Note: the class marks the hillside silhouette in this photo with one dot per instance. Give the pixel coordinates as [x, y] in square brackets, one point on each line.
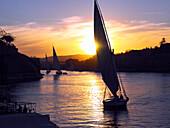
[62, 59]
[14, 66]
[146, 60]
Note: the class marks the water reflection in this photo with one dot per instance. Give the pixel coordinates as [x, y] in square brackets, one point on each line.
[75, 100]
[94, 93]
[95, 98]
[56, 77]
[115, 118]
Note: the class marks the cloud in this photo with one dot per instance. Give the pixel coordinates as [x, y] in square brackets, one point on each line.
[73, 19]
[35, 39]
[133, 34]
[30, 23]
[30, 37]
[133, 25]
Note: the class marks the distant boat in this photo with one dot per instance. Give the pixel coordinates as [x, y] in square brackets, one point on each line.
[47, 65]
[107, 64]
[56, 64]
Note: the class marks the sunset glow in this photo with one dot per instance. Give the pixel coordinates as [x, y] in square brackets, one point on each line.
[87, 44]
[71, 31]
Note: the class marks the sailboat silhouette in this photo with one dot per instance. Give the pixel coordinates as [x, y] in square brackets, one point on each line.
[107, 64]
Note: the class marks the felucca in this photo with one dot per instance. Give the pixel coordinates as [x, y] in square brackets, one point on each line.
[107, 64]
[47, 65]
[56, 64]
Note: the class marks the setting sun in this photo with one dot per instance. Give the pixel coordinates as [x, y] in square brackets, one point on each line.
[87, 44]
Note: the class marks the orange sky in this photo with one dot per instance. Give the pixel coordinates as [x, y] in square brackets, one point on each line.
[68, 25]
[74, 35]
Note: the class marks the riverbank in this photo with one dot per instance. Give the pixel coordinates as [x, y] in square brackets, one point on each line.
[146, 60]
[16, 67]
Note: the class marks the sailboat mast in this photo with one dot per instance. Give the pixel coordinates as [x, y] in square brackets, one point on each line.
[47, 65]
[104, 93]
[46, 58]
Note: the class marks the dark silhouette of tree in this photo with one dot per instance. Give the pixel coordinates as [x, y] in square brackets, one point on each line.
[71, 62]
[7, 37]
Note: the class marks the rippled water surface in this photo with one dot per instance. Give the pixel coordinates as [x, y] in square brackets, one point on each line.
[75, 100]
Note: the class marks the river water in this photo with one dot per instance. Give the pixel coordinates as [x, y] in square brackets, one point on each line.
[75, 100]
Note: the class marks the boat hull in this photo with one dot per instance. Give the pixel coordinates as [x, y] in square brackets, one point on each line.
[64, 73]
[58, 73]
[48, 71]
[115, 104]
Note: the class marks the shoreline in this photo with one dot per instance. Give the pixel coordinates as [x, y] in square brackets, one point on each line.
[134, 71]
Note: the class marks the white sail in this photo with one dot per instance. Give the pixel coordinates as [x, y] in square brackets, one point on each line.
[56, 64]
[104, 54]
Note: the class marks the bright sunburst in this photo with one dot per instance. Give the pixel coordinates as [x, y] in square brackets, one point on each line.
[87, 44]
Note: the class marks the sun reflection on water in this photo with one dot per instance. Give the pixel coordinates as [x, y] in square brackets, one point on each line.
[95, 98]
[94, 92]
[75, 100]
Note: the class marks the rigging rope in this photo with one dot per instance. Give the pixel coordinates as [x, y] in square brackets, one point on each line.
[121, 83]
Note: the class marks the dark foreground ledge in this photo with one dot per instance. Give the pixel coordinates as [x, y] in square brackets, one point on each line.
[26, 120]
